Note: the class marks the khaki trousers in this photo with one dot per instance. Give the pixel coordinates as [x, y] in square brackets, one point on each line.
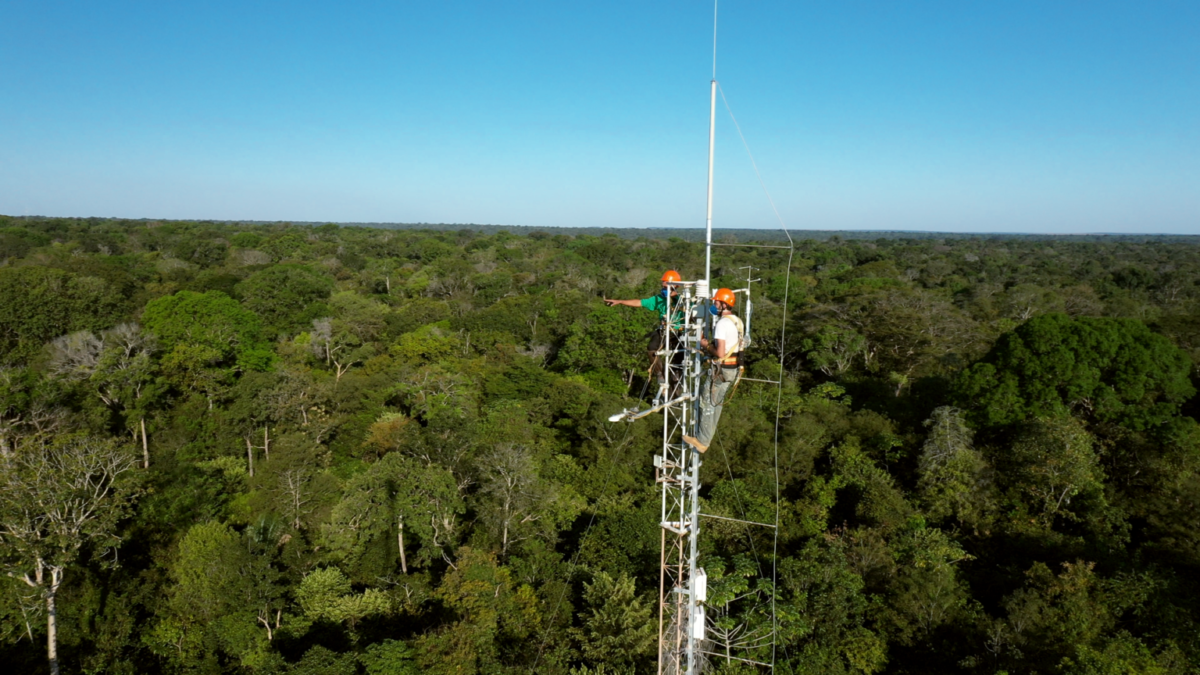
[712, 399]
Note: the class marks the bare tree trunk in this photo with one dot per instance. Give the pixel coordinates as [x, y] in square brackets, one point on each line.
[52, 620]
[400, 541]
[342, 369]
[250, 459]
[292, 482]
[146, 447]
[267, 443]
[265, 621]
[49, 517]
[507, 520]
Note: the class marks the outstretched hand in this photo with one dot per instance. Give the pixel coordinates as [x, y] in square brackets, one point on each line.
[610, 302]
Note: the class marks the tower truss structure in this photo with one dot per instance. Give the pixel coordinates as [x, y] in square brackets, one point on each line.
[682, 586]
[682, 583]
[683, 642]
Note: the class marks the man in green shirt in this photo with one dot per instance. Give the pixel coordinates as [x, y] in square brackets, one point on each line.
[657, 303]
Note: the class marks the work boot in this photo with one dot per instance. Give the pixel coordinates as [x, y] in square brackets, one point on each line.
[690, 440]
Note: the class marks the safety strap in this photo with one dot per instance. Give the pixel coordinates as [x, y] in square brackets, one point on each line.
[731, 357]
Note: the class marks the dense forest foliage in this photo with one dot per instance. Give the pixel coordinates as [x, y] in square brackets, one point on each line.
[248, 448]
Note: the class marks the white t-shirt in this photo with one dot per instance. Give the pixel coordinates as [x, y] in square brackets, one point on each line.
[726, 329]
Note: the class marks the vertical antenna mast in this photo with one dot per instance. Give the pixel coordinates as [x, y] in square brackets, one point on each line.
[683, 585]
[712, 138]
[683, 638]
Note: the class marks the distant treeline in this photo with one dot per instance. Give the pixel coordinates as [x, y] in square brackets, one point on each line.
[726, 235]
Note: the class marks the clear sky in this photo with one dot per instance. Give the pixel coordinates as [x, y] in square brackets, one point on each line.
[1011, 116]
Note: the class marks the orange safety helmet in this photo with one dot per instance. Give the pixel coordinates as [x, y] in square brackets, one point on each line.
[726, 296]
[672, 276]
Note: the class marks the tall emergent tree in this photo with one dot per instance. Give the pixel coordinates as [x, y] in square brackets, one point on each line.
[1110, 370]
[56, 498]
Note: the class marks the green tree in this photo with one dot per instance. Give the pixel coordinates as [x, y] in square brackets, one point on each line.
[1025, 301]
[38, 304]
[326, 595]
[1053, 462]
[823, 613]
[339, 350]
[202, 252]
[618, 628]
[1055, 617]
[197, 368]
[213, 321]
[906, 331]
[400, 500]
[294, 484]
[605, 339]
[223, 598]
[287, 297]
[27, 407]
[833, 349]
[1112, 370]
[15, 242]
[346, 339]
[1123, 655]
[955, 480]
[390, 657]
[927, 591]
[490, 610]
[321, 661]
[518, 502]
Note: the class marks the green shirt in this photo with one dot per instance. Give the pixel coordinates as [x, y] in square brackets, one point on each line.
[658, 304]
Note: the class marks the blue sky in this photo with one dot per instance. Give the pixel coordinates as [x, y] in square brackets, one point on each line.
[952, 116]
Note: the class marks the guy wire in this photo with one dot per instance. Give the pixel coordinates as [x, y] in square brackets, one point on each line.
[779, 387]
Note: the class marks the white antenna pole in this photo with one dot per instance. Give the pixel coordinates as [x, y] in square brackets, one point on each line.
[712, 139]
[695, 575]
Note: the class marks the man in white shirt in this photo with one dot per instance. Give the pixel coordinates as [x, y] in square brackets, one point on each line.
[723, 352]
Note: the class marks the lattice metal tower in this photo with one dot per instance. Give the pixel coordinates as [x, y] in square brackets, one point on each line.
[677, 472]
[682, 585]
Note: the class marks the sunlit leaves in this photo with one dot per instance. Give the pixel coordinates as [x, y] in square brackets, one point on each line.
[1112, 370]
